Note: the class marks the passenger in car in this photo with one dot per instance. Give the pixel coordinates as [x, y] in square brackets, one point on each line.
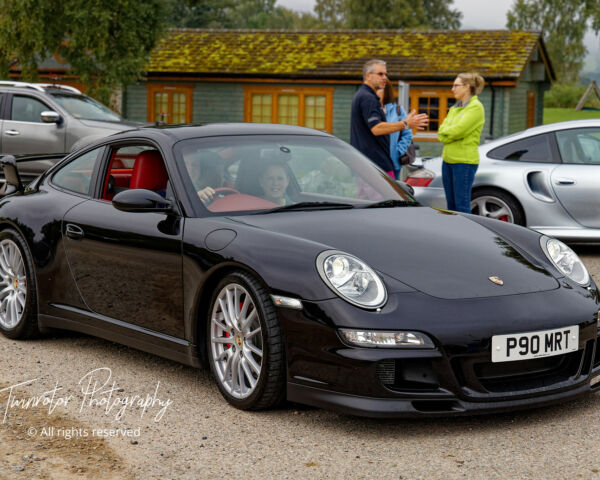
[274, 181]
[206, 174]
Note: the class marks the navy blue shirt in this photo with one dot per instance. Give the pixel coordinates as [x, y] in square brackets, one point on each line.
[366, 113]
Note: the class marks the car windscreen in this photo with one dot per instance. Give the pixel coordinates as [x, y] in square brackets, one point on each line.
[85, 108]
[281, 173]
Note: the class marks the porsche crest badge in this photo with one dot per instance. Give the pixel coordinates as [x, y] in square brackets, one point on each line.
[496, 280]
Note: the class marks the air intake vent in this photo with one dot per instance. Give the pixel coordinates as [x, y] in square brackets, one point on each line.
[386, 371]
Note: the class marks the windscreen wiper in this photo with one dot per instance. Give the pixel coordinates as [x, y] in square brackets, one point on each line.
[310, 206]
[393, 203]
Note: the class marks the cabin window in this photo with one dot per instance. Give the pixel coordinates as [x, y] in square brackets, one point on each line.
[307, 107]
[171, 104]
[435, 102]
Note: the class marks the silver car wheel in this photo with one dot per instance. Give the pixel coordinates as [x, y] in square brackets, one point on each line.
[236, 341]
[492, 207]
[13, 284]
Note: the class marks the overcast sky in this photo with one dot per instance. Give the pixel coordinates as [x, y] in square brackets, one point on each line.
[477, 14]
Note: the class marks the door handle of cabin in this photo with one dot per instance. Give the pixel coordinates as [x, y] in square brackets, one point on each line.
[12, 133]
[74, 232]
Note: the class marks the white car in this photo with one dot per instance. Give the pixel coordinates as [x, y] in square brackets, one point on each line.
[546, 178]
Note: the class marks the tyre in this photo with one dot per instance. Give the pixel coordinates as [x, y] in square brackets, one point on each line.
[497, 204]
[18, 299]
[245, 344]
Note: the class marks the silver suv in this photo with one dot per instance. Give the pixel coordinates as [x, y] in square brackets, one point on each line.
[45, 118]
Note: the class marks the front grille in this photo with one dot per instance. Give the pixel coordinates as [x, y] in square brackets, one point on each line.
[407, 375]
[523, 375]
[527, 374]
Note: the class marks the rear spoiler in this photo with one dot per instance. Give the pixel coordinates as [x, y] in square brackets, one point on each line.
[12, 179]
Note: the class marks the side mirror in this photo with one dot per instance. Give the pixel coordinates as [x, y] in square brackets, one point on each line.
[50, 117]
[141, 200]
[12, 180]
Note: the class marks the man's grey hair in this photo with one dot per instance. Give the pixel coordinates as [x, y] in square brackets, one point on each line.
[368, 67]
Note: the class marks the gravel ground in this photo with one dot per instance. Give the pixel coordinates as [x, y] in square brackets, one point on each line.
[194, 434]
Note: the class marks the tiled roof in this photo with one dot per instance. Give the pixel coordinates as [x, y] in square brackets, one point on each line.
[496, 54]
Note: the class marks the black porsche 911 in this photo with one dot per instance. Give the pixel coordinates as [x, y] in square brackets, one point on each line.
[292, 266]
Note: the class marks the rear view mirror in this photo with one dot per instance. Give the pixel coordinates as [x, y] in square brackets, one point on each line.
[406, 187]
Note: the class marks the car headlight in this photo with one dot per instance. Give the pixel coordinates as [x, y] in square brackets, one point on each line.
[565, 259]
[352, 279]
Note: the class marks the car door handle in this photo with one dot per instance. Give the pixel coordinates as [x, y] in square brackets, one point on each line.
[564, 181]
[12, 133]
[75, 232]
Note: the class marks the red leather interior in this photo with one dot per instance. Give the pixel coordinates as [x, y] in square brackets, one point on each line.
[239, 201]
[149, 171]
[115, 177]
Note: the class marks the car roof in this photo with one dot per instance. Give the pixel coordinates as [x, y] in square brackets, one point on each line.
[183, 132]
[39, 87]
[550, 127]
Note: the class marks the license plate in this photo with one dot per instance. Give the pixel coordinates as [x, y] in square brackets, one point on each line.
[546, 343]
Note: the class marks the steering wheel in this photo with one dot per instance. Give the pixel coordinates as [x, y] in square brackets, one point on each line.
[221, 192]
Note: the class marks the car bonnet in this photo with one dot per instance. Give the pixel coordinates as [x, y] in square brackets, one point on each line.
[440, 253]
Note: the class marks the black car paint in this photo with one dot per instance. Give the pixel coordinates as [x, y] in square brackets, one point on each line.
[322, 369]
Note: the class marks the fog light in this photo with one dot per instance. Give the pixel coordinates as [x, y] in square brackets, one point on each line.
[379, 339]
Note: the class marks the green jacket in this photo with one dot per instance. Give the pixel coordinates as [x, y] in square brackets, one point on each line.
[461, 131]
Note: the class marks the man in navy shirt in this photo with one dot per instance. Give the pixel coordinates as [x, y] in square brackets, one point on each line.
[369, 131]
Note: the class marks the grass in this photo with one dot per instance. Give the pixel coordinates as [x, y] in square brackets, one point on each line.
[552, 115]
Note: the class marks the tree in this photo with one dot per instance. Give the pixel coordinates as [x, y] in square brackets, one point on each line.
[387, 14]
[106, 42]
[563, 24]
[251, 14]
[331, 13]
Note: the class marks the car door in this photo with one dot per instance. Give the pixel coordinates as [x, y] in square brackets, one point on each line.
[532, 161]
[576, 181]
[23, 130]
[127, 266]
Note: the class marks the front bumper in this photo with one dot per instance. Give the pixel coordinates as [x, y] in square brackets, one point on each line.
[401, 408]
[455, 378]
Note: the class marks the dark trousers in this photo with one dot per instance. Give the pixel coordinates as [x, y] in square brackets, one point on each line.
[458, 181]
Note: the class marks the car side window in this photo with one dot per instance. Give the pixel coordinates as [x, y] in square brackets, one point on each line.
[27, 109]
[135, 166]
[579, 146]
[76, 176]
[533, 149]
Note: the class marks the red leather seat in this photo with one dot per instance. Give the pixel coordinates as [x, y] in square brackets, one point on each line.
[149, 171]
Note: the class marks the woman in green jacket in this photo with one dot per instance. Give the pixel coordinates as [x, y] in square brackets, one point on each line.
[460, 133]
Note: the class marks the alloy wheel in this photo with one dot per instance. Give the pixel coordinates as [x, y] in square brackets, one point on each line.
[13, 284]
[236, 341]
[492, 207]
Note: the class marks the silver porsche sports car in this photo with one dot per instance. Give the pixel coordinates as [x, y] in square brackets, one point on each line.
[546, 178]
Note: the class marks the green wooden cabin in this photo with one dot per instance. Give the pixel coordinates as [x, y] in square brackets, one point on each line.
[309, 77]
